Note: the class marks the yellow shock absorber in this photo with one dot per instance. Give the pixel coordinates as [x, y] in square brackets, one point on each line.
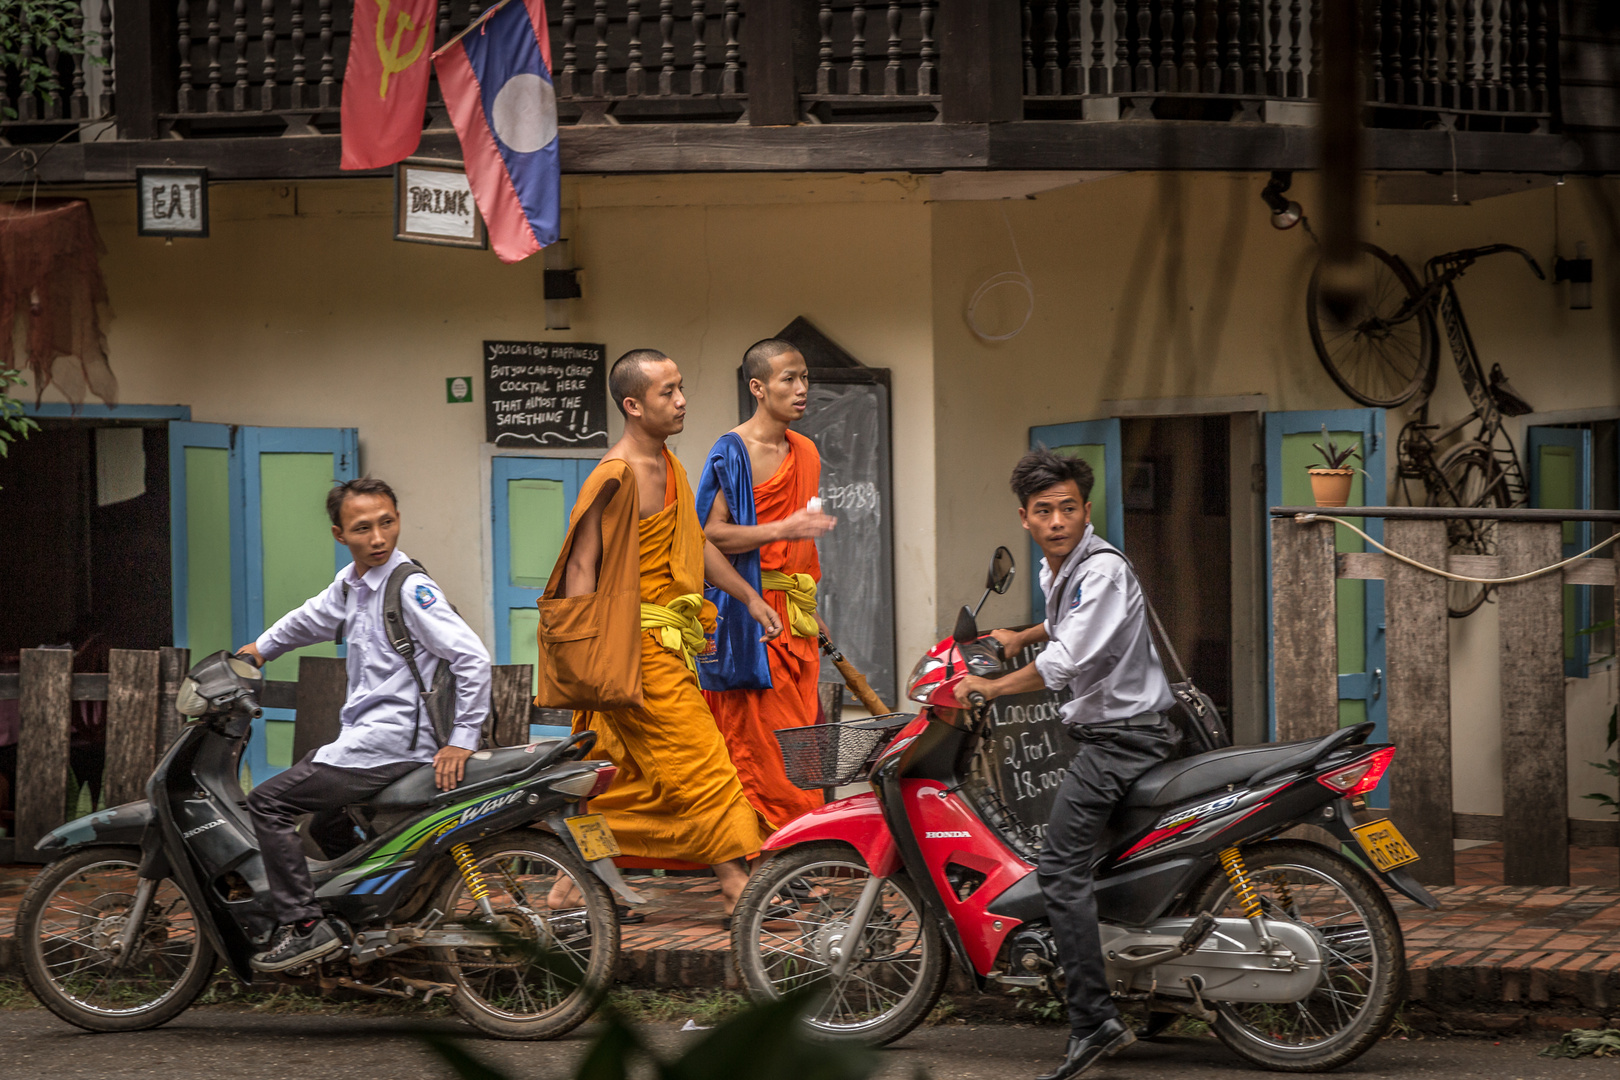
[477, 887]
[1232, 863]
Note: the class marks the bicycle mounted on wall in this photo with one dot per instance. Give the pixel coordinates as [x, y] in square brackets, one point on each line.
[1385, 353]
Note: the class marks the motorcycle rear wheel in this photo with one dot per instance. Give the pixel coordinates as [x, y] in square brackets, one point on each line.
[560, 962]
[70, 919]
[789, 918]
[1364, 967]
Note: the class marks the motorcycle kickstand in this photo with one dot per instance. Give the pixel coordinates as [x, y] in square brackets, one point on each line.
[857, 927]
[144, 891]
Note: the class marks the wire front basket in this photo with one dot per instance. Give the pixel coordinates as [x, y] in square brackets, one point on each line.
[828, 755]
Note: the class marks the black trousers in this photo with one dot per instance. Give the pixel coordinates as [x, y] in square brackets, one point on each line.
[309, 788]
[1110, 758]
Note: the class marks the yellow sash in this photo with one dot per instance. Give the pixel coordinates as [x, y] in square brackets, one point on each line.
[801, 599]
[679, 628]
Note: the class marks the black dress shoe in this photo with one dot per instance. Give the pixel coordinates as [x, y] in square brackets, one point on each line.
[1109, 1039]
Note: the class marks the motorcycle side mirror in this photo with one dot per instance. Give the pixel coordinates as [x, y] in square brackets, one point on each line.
[967, 627]
[1002, 572]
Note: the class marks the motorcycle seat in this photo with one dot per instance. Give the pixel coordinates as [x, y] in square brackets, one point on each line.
[486, 768]
[1190, 777]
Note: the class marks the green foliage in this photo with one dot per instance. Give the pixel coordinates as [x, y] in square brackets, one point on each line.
[1611, 767]
[13, 424]
[1333, 455]
[768, 1041]
[1586, 1042]
[28, 29]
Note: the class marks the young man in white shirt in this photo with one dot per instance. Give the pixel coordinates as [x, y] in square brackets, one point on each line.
[385, 732]
[1100, 648]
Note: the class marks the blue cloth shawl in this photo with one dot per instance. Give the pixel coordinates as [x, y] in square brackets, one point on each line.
[736, 659]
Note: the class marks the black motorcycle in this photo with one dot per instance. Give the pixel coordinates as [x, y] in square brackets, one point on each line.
[495, 894]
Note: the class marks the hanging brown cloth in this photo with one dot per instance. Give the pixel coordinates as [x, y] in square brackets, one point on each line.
[53, 301]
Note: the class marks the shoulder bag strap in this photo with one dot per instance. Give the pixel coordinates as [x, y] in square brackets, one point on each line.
[1163, 639]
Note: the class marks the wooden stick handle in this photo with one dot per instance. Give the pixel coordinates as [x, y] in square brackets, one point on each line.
[858, 685]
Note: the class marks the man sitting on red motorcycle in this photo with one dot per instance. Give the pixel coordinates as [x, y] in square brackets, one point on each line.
[1099, 647]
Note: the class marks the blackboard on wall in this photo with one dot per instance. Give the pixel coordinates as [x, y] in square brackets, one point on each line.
[1031, 748]
[545, 393]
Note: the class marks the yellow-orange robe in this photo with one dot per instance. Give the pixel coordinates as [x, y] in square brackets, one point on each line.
[676, 796]
[748, 718]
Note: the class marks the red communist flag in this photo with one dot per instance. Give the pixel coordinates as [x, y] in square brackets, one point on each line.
[385, 85]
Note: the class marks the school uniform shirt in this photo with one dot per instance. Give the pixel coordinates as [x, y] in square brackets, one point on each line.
[1100, 647]
[381, 711]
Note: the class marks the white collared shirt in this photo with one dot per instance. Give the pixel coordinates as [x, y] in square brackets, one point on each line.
[381, 712]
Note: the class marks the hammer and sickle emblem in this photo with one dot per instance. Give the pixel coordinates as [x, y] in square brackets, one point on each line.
[388, 51]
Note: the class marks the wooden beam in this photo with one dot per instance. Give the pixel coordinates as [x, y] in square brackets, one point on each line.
[1305, 656]
[781, 50]
[1583, 832]
[143, 50]
[323, 685]
[1375, 566]
[980, 62]
[134, 689]
[45, 787]
[510, 694]
[1419, 658]
[172, 667]
[1535, 774]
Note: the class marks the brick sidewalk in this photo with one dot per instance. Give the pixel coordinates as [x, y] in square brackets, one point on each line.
[1492, 953]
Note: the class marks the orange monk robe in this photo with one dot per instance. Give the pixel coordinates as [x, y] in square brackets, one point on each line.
[748, 718]
[676, 795]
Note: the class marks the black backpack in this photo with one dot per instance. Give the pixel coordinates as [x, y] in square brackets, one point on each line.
[438, 700]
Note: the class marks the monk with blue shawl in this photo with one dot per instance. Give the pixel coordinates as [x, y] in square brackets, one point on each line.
[757, 499]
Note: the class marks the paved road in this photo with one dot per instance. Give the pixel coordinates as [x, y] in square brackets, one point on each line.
[209, 1043]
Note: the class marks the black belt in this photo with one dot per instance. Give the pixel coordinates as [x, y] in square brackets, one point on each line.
[1141, 720]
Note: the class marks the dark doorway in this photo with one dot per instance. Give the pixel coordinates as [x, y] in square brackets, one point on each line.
[1176, 473]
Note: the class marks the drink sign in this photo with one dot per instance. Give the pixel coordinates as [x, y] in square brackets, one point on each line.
[545, 393]
[433, 204]
[1030, 747]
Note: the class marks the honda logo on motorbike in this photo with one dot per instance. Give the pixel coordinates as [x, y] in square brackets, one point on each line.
[947, 836]
[189, 833]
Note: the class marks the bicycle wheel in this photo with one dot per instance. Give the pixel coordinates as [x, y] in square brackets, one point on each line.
[1468, 475]
[1377, 359]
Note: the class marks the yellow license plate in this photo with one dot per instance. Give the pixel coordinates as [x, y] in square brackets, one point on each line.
[1384, 844]
[595, 838]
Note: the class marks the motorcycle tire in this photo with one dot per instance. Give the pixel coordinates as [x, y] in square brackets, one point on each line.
[170, 969]
[493, 991]
[1308, 870]
[915, 965]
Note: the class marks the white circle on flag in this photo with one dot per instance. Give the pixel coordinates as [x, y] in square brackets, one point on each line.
[525, 113]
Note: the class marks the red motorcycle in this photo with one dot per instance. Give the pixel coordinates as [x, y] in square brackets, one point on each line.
[1288, 948]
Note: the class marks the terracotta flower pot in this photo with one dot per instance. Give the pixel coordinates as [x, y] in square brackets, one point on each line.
[1331, 487]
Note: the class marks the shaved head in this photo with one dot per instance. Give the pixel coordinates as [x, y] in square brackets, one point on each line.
[628, 377]
[757, 360]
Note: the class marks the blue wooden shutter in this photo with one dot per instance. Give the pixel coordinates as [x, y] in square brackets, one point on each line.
[1561, 479]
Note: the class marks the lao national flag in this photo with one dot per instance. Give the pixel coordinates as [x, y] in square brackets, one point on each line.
[497, 83]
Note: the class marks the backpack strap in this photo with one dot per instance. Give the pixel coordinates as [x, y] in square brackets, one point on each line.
[399, 638]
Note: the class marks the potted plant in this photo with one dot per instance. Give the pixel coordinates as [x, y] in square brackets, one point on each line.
[1330, 481]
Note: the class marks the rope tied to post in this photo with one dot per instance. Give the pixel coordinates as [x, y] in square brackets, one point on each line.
[1305, 519]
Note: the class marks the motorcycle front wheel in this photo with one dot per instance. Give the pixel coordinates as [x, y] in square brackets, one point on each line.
[1363, 962]
[793, 919]
[69, 928]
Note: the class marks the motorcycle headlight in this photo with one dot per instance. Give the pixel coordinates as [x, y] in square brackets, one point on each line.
[187, 701]
[923, 677]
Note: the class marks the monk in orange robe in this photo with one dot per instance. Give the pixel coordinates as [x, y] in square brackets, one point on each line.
[783, 471]
[676, 795]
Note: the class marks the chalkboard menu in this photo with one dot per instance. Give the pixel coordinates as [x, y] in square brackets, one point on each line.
[544, 393]
[1031, 749]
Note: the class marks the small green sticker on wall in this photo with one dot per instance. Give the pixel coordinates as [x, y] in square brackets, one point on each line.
[458, 391]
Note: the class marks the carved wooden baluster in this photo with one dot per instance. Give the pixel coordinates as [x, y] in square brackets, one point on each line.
[52, 85]
[1295, 86]
[1187, 81]
[1122, 48]
[239, 98]
[857, 51]
[1074, 60]
[105, 47]
[215, 100]
[1051, 74]
[1431, 49]
[1315, 80]
[599, 74]
[826, 74]
[1538, 72]
[666, 45]
[928, 54]
[326, 96]
[267, 92]
[1142, 78]
[299, 92]
[731, 77]
[1376, 87]
[5, 90]
[1412, 54]
[1274, 68]
[894, 74]
[27, 101]
[634, 72]
[442, 28]
[1167, 47]
[78, 100]
[1521, 55]
[1449, 92]
[700, 49]
[1026, 13]
[1470, 88]
[1254, 49]
[1097, 73]
[566, 77]
[1232, 72]
[1487, 57]
[1209, 44]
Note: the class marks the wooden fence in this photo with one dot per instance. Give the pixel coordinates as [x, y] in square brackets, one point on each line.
[1535, 829]
[139, 689]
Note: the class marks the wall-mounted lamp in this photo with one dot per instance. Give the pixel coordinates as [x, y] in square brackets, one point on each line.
[1285, 212]
[561, 284]
[1578, 272]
